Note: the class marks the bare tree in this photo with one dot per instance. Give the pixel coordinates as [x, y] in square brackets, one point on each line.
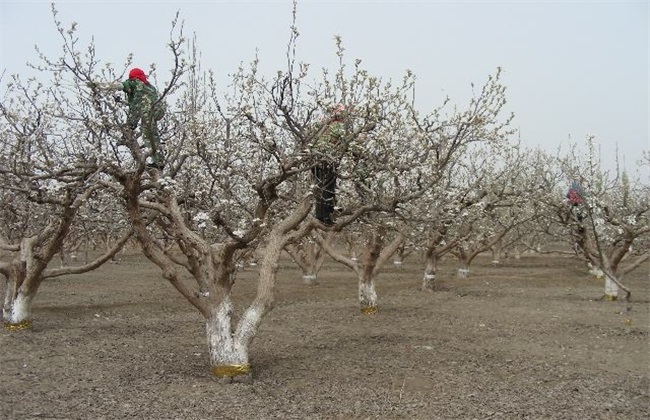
[609, 226]
[309, 256]
[499, 194]
[43, 188]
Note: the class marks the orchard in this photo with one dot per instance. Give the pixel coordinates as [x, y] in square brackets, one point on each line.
[374, 306]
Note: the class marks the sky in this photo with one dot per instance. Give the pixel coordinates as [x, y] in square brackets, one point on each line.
[572, 68]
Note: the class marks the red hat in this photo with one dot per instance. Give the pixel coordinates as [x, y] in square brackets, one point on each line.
[137, 73]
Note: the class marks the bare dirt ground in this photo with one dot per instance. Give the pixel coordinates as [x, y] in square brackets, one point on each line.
[529, 340]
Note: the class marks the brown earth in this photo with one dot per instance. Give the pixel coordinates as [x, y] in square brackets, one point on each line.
[529, 340]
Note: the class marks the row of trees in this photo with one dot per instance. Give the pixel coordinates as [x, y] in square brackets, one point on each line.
[238, 179]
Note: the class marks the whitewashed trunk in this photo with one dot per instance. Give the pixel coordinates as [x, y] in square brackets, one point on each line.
[310, 279]
[367, 296]
[463, 272]
[496, 257]
[429, 279]
[428, 282]
[228, 355]
[611, 289]
[17, 312]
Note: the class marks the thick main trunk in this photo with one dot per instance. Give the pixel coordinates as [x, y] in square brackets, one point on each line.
[463, 271]
[428, 281]
[228, 356]
[367, 295]
[310, 279]
[17, 311]
[611, 289]
[18, 296]
[228, 346]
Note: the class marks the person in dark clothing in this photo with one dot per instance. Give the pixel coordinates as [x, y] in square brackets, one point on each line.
[325, 174]
[325, 170]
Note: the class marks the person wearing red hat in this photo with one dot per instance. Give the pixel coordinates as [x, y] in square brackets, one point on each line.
[145, 108]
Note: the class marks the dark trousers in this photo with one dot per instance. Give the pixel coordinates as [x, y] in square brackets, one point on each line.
[325, 194]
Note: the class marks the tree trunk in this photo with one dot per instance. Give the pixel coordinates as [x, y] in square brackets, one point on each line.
[428, 282]
[463, 270]
[611, 289]
[18, 297]
[228, 357]
[367, 294]
[229, 348]
[17, 311]
[310, 279]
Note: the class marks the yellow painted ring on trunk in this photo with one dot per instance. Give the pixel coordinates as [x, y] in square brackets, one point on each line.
[23, 325]
[369, 310]
[231, 371]
[610, 298]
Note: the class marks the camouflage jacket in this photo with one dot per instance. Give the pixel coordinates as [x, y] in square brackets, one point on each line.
[332, 140]
[143, 101]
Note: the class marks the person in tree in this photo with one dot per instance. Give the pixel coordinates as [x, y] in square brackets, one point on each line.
[576, 197]
[575, 194]
[330, 144]
[145, 110]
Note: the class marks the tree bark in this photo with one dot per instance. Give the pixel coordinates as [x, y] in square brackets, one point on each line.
[310, 279]
[18, 297]
[228, 346]
[463, 270]
[367, 294]
[428, 281]
[17, 312]
[611, 289]
[228, 357]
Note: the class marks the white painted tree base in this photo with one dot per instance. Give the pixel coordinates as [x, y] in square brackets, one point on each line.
[310, 279]
[428, 282]
[17, 315]
[368, 297]
[611, 289]
[228, 357]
